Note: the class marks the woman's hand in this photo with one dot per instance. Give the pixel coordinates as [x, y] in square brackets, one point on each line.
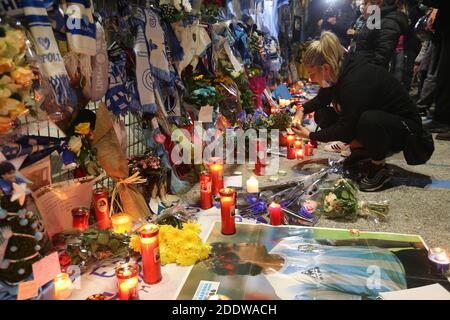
[298, 118]
[300, 131]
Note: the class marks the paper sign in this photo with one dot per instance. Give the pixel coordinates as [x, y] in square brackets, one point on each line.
[56, 202]
[205, 114]
[431, 292]
[46, 269]
[232, 181]
[27, 290]
[206, 289]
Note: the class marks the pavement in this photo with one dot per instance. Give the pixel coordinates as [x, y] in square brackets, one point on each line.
[419, 196]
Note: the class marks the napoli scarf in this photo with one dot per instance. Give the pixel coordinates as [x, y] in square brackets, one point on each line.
[47, 49]
[145, 83]
[80, 27]
[116, 96]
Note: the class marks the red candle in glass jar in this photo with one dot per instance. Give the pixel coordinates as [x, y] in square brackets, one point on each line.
[276, 214]
[309, 149]
[102, 209]
[313, 143]
[216, 172]
[151, 262]
[205, 190]
[298, 143]
[227, 210]
[260, 157]
[127, 281]
[80, 218]
[291, 146]
[283, 139]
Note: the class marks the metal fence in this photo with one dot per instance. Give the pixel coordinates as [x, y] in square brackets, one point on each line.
[135, 145]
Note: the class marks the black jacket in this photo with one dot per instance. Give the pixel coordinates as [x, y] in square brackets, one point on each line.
[378, 45]
[344, 14]
[361, 86]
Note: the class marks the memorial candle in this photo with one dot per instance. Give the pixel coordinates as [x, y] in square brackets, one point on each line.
[127, 281]
[121, 223]
[298, 143]
[227, 210]
[63, 286]
[151, 262]
[252, 185]
[216, 172]
[205, 190]
[283, 139]
[275, 213]
[80, 218]
[260, 157]
[291, 146]
[299, 154]
[308, 149]
[102, 209]
[440, 259]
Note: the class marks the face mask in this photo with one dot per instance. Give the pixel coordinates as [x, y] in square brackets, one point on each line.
[326, 83]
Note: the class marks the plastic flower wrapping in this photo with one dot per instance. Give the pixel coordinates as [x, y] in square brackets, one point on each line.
[341, 202]
[16, 77]
[181, 246]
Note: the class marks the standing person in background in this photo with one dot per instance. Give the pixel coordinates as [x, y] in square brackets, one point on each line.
[378, 45]
[441, 117]
[338, 18]
[412, 43]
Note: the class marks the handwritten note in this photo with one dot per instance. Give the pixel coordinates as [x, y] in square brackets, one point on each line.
[27, 290]
[46, 269]
[55, 202]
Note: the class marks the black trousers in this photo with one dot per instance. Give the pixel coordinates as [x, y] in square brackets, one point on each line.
[381, 133]
[442, 111]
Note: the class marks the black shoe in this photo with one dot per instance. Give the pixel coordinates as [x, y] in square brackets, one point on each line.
[435, 127]
[356, 156]
[443, 136]
[376, 178]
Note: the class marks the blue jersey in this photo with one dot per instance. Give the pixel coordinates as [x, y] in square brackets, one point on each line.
[314, 271]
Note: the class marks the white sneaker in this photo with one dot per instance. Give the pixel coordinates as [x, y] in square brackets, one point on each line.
[337, 146]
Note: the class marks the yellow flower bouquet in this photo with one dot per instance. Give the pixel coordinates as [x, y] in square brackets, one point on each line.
[181, 246]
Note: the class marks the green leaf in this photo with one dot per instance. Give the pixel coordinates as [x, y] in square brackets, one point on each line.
[103, 238]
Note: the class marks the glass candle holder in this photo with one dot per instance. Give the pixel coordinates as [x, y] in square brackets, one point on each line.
[291, 146]
[440, 259]
[127, 281]
[151, 262]
[298, 143]
[309, 149]
[63, 286]
[80, 218]
[121, 223]
[205, 190]
[216, 171]
[299, 154]
[101, 204]
[227, 210]
[261, 160]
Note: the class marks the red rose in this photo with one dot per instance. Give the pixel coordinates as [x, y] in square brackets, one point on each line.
[64, 259]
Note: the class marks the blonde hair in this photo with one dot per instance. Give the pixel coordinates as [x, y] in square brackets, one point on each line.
[326, 50]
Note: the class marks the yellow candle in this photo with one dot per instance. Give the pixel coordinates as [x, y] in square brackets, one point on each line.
[63, 286]
[252, 185]
[121, 223]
